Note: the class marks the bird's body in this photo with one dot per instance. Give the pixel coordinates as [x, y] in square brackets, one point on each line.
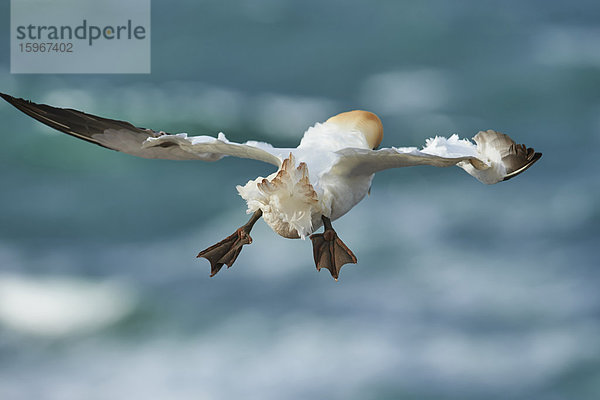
[294, 198]
[315, 183]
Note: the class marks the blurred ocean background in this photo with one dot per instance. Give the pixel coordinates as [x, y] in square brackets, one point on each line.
[462, 290]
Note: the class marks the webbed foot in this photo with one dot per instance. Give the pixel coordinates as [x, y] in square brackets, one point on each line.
[227, 250]
[329, 251]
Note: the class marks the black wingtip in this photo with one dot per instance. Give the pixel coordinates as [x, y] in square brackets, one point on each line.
[529, 163]
[14, 101]
[7, 97]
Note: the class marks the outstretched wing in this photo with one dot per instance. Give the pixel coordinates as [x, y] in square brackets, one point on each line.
[493, 158]
[127, 138]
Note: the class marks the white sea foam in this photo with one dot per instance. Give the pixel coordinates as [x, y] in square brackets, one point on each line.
[61, 306]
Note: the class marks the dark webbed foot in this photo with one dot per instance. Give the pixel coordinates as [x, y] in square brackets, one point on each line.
[329, 250]
[226, 251]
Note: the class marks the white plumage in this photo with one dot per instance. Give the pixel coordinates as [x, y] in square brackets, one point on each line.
[339, 165]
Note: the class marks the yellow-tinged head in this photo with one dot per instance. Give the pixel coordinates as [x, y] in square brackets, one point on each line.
[365, 122]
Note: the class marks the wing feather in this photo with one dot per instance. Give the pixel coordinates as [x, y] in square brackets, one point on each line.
[124, 137]
[367, 162]
[493, 158]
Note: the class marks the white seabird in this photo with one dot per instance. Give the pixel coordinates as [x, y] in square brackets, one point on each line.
[315, 183]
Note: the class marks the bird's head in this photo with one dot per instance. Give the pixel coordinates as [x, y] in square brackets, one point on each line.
[365, 122]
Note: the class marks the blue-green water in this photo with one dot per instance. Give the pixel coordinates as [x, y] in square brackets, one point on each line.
[462, 291]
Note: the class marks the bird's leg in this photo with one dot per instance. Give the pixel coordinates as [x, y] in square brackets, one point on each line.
[329, 250]
[226, 251]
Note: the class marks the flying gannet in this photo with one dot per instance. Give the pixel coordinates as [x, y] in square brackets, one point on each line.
[315, 183]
